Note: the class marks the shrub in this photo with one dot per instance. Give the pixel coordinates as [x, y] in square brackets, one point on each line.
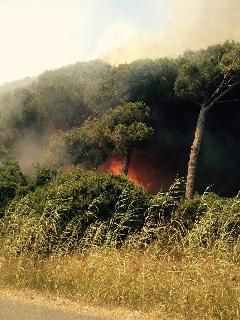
[72, 209]
[12, 183]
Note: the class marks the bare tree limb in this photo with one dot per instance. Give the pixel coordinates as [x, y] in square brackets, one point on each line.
[197, 103]
[228, 77]
[220, 87]
[221, 95]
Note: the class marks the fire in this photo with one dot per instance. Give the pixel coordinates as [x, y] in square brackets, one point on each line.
[113, 164]
[146, 168]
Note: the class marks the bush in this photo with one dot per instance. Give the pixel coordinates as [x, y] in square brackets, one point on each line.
[218, 226]
[12, 183]
[80, 209]
[77, 208]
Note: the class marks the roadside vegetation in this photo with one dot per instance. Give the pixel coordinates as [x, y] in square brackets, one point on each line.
[98, 238]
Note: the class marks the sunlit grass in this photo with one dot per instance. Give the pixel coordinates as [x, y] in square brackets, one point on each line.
[182, 263]
[188, 287]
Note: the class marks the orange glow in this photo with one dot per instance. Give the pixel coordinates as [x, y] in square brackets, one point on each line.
[113, 164]
[146, 168]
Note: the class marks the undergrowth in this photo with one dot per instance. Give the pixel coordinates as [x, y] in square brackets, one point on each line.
[100, 239]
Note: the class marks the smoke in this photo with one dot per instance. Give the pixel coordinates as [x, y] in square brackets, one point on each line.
[191, 24]
[147, 168]
[29, 151]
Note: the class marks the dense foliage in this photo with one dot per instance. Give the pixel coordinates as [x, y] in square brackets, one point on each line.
[118, 130]
[207, 77]
[61, 214]
[174, 255]
[59, 104]
[201, 72]
[12, 183]
[81, 209]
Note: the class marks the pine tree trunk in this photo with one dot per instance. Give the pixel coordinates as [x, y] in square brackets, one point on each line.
[126, 161]
[194, 154]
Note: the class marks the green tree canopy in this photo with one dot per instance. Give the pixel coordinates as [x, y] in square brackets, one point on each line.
[124, 127]
[12, 183]
[206, 77]
[204, 72]
[117, 130]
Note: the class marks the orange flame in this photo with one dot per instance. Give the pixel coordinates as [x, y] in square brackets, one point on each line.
[146, 168]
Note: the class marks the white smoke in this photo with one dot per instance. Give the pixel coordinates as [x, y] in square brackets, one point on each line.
[192, 24]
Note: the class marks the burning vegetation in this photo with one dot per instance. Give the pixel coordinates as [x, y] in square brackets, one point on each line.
[137, 118]
[97, 157]
[146, 168]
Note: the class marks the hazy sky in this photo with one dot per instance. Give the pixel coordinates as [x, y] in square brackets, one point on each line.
[43, 34]
[37, 35]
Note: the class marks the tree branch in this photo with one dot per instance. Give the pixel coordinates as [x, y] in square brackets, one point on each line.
[228, 77]
[220, 87]
[197, 103]
[221, 95]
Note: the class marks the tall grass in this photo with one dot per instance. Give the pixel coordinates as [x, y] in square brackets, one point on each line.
[153, 281]
[160, 254]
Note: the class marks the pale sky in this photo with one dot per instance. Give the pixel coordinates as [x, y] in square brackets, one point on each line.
[37, 35]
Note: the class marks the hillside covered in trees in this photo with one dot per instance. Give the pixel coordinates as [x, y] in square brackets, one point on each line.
[95, 115]
[71, 229]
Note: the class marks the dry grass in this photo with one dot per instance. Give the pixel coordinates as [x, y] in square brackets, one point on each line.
[183, 263]
[185, 287]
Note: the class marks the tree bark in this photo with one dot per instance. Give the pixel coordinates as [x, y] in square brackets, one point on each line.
[195, 149]
[223, 89]
[126, 161]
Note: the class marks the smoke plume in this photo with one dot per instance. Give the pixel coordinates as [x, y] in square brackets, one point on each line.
[29, 151]
[192, 24]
